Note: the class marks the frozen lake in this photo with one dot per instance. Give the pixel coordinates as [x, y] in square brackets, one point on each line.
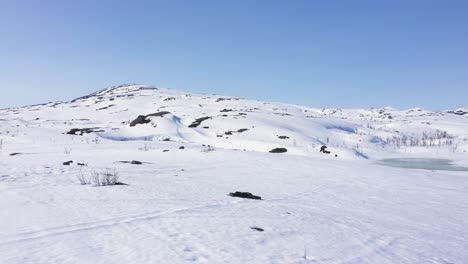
[422, 163]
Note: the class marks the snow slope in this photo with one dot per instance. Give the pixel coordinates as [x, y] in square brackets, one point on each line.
[317, 208]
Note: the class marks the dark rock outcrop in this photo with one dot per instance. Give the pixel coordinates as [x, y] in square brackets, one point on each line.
[67, 163]
[458, 112]
[278, 150]
[230, 133]
[105, 107]
[134, 162]
[143, 119]
[257, 229]
[324, 149]
[162, 113]
[82, 131]
[245, 195]
[140, 120]
[198, 121]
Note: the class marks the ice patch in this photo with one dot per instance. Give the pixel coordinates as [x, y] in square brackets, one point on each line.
[139, 138]
[342, 128]
[360, 154]
[376, 140]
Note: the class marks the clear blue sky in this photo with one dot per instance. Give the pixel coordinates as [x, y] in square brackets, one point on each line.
[317, 53]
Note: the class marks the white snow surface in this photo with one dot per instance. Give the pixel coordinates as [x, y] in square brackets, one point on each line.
[340, 207]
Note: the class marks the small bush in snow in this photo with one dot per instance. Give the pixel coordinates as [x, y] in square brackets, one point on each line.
[99, 178]
[146, 147]
[67, 151]
[426, 139]
[96, 140]
[105, 178]
[81, 176]
[208, 149]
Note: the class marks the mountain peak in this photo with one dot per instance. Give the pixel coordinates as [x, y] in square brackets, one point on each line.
[125, 88]
[120, 89]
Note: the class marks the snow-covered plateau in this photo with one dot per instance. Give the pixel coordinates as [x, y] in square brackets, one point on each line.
[139, 174]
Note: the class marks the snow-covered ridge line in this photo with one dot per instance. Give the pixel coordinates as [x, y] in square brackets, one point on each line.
[459, 111]
[132, 88]
[125, 88]
[133, 112]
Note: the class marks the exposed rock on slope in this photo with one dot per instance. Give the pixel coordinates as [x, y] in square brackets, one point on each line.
[198, 121]
[82, 131]
[143, 119]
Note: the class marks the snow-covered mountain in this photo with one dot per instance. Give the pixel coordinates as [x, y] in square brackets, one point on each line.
[178, 155]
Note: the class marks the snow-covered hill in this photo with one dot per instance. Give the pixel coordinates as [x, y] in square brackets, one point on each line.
[236, 123]
[190, 150]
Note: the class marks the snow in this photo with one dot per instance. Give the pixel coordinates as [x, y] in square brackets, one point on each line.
[316, 208]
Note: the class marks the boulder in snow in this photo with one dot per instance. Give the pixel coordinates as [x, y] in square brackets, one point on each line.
[245, 195]
[278, 150]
